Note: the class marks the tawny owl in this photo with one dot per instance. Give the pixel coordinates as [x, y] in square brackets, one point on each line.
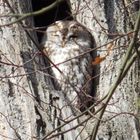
[68, 45]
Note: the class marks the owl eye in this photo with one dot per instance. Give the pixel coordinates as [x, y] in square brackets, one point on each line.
[72, 36]
[74, 27]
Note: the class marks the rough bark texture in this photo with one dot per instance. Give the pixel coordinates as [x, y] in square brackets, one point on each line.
[18, 91]
[30, 108]
[29, 105]
[106, 19]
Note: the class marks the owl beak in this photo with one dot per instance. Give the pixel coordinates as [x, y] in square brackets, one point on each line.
[63, 43]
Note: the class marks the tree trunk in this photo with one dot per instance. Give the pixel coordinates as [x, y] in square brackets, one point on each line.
[31, 108]
[23, 89]
[110, 22]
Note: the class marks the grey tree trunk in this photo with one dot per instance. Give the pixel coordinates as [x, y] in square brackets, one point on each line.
[30, 107]
[23, 89]
[108, 20]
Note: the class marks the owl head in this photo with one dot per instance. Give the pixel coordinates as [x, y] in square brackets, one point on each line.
[68, 32]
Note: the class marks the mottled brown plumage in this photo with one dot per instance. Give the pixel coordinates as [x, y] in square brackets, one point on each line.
[69, 40]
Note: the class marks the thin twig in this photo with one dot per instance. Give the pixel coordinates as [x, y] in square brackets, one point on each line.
[31, 14]
[119, 78]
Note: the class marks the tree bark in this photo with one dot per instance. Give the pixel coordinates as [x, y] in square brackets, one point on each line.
[108, 20]
[31, 108]
[23, 89]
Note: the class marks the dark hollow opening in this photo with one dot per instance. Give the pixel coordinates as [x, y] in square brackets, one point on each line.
[60, 12]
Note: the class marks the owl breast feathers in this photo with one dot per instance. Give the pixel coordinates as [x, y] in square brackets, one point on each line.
[67, 44]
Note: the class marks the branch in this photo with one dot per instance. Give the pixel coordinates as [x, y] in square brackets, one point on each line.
[122, 72]
[23, 16]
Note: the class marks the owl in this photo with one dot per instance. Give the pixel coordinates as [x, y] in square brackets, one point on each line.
[68, 45]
